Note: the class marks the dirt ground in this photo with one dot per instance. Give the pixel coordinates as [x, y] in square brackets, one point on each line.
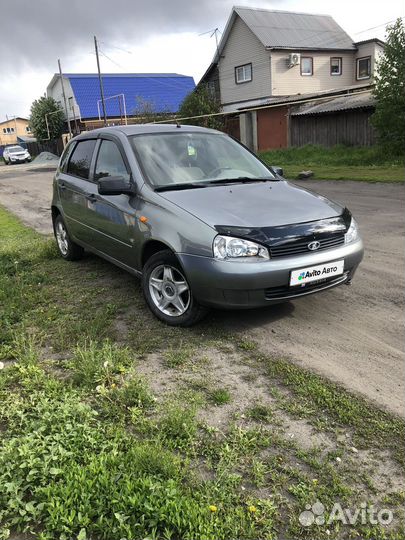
[352, 335]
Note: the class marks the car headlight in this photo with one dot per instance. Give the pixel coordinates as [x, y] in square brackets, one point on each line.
[352, 233]
[228, 247]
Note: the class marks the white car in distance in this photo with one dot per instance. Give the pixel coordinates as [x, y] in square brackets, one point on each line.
[16, 154]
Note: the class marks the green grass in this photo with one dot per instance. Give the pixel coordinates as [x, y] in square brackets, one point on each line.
[88, 450]
[369, 164]
[220, 396]
[329, 406]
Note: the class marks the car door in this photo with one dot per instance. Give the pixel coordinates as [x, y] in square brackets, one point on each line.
[77, 191]
[113, 216]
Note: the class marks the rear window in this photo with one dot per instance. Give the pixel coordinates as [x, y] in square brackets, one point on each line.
[80, 160]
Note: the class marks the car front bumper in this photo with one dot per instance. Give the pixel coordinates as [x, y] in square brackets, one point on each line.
[250, 283]
[19, 159]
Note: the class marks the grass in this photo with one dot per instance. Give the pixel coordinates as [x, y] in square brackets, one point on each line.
[369, 164]
[89, 450]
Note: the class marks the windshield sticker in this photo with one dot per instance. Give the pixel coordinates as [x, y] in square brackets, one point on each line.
[192, 151]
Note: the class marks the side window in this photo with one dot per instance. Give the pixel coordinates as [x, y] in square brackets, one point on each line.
[79, 163]
[110, 162]
[65, 156]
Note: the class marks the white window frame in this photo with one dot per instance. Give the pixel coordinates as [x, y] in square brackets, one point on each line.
[340, 60]
[246, 71]
[312, 66]
[358, 60]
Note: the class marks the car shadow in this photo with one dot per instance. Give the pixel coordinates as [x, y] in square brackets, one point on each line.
[243, 319]
[219, 319]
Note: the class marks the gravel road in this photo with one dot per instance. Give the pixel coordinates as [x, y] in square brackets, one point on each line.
[352, 335]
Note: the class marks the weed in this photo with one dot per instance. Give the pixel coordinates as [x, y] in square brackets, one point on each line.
[260, 413]
[219, 396]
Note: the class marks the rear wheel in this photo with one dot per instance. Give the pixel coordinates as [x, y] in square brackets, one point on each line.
[168, 292]
[67, 248]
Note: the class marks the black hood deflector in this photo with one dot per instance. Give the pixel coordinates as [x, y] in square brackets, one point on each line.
[285, 234]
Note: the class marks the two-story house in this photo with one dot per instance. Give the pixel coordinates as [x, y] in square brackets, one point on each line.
[263, 54]
[12, 129]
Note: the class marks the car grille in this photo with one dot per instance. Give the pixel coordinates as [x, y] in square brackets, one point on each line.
[272, 293]
[301, 246]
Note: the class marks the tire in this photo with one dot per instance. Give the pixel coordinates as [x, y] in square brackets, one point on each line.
[167, 292]
[67, 248]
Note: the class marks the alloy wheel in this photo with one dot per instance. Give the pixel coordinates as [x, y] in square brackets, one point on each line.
[169, 290]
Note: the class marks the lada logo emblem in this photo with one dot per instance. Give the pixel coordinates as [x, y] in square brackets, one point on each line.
[313, 246]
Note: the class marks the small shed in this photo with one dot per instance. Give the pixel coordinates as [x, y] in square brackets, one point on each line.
[340, 120]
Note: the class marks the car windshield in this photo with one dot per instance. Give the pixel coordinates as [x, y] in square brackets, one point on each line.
[15, 149]
[185, 158]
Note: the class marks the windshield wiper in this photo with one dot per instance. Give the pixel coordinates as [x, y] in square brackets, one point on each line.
[241, 179]
[185, 185]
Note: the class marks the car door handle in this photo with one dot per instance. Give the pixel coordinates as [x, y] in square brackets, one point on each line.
[62, 187]
[91, 198]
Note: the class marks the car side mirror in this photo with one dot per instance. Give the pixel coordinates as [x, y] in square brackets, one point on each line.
[115, 185]
[278, 170]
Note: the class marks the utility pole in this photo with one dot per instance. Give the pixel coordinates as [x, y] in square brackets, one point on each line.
[64, 99]
[101, 81]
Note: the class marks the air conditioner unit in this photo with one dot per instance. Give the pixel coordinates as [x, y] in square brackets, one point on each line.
[294, 59]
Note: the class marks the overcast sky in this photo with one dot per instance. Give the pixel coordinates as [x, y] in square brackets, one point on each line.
[138, 36]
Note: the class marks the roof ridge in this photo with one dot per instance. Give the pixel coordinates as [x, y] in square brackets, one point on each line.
[283, 11]
[124, 75]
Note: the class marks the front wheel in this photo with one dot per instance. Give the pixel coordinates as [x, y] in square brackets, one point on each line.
[168, 293]
[67, 248]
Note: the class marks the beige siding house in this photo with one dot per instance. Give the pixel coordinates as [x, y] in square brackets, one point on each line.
[266, 53]
[13, 128]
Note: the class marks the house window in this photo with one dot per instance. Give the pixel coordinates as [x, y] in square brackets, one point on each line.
[363, 68]
[28, 129]
[336, 66]
[243, 73]
[307, 66]
[4, 130]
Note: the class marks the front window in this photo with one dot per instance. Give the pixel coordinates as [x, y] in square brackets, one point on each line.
[364, 68]
[197, 158]
[336, 66]
[110, 161]
[306, 66]
[15, 149]
[243, 73]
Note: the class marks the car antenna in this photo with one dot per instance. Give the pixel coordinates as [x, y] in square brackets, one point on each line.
[177, 124]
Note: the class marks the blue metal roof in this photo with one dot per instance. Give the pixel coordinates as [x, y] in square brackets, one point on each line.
[163, 91]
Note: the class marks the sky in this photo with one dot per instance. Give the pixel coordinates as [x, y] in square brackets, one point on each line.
[139, 36]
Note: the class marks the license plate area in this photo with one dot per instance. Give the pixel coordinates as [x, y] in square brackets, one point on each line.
[316, 273]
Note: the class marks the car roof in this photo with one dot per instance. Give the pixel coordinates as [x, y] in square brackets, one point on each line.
[137, 129]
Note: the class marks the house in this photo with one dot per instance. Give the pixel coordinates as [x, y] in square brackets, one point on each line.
[13, 128]
[266, 53]
[126, 95]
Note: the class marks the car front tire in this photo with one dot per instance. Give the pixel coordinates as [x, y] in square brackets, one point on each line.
[168, 293]
[67, 248]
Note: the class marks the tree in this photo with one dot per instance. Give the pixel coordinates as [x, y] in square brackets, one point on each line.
[55, 115]
[389, 116]
[201, 102]
[145, 111]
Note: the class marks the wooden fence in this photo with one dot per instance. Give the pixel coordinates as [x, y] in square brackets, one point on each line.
[346, 127]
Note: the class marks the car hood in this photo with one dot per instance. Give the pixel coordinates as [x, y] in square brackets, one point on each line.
[262, 204]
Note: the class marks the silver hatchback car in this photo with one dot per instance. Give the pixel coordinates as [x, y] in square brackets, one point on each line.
[200, 219]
